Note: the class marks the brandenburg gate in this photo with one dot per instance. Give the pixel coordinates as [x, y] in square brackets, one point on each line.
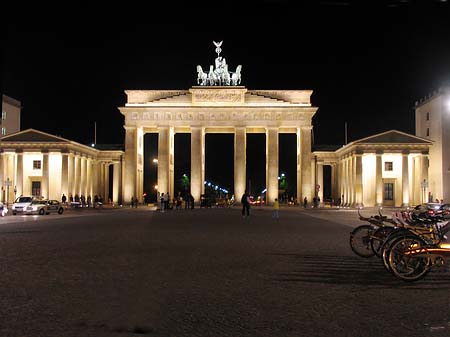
[217, 105]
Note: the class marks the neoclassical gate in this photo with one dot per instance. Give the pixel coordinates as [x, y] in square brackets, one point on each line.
[216, 109]
[218, 105]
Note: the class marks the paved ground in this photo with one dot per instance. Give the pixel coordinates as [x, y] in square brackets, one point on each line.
[206, 272]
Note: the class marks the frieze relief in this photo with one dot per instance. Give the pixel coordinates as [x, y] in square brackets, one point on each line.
[219, 116]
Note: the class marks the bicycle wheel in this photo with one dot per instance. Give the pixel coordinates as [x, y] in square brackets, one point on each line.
[405, 265]
[378, 237]
[360, 241]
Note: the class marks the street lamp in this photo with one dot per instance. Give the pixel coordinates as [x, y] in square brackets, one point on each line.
[155, 161]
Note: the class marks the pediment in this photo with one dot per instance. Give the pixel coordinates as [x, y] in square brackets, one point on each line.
[31, 135]
[393, 137]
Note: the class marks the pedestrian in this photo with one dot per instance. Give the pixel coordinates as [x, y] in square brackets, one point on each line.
[166, 201]
[276, 208]
[187, 201]
[305, 202]
[162, 202]
[192, 200]
[135, 202]
[63, 199]
[132, 202]
[245, 205]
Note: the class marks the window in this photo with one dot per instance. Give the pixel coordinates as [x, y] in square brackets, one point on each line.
[36, 188]
[36, 164]
[389, 191]
[3, 115]
[428, 116]
[428, 132]
[3, 131]
[388, 166]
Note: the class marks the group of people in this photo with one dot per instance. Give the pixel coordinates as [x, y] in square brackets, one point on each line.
[246, 202]
[82, 201]
[166, 203]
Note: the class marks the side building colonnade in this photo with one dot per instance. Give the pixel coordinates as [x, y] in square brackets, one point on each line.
[387, 169]
[39, 164]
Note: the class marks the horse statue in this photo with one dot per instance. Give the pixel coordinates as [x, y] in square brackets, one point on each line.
[226, 78]
[236, 77]
[202, 77]
[212, 77]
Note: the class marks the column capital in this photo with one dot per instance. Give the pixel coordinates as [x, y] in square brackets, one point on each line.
[379, 152]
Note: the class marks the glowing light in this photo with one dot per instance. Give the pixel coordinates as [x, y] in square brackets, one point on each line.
[156, 187]
[155, 160]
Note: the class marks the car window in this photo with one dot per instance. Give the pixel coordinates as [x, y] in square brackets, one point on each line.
[24, 199]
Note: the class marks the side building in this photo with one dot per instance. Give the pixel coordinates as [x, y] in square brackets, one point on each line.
[36, 163]
[385, 169]
[433, 123]
[10, 118]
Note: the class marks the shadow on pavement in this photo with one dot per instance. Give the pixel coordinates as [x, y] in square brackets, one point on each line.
[349, 270]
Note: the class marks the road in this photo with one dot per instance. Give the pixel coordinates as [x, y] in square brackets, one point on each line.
[206, 272]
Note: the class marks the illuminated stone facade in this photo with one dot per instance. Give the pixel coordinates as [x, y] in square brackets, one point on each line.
[37, 163]
[381, 170]
[203, 110]
[433, 123]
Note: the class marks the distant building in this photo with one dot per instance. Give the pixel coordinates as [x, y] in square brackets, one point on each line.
[10, 118]
[433, 123]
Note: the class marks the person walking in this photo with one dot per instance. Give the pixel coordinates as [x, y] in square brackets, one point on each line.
[245, 205]
[63, 199]
[305, 202]
[276, 208]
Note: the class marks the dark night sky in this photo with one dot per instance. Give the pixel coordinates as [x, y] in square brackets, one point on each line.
[366, 65]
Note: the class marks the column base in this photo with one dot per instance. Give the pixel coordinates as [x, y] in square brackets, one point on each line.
[358, 205]
[405, 205]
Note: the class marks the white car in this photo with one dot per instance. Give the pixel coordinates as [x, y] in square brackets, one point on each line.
[20, 204]
[42, 207]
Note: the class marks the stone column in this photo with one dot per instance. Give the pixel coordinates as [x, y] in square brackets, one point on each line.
[240, 161]
[320, 181]
[379, 180]
[305, 150]
[45, 178]
[405, 179]
[78, 175]
[2, 178]
[130, 170]
[65, 174]
[19, 180]
[106, 184]
[424, 176]
[198, 162]
[83, 169]
[163, 159]
[71, 183]
[351, 168]
[171, 163]
[345, 199]
[116, 182]
[358, 181]
[272, 164]
[299, 168]
[88, 178]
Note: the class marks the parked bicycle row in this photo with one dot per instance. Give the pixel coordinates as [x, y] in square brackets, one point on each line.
[409, 242]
